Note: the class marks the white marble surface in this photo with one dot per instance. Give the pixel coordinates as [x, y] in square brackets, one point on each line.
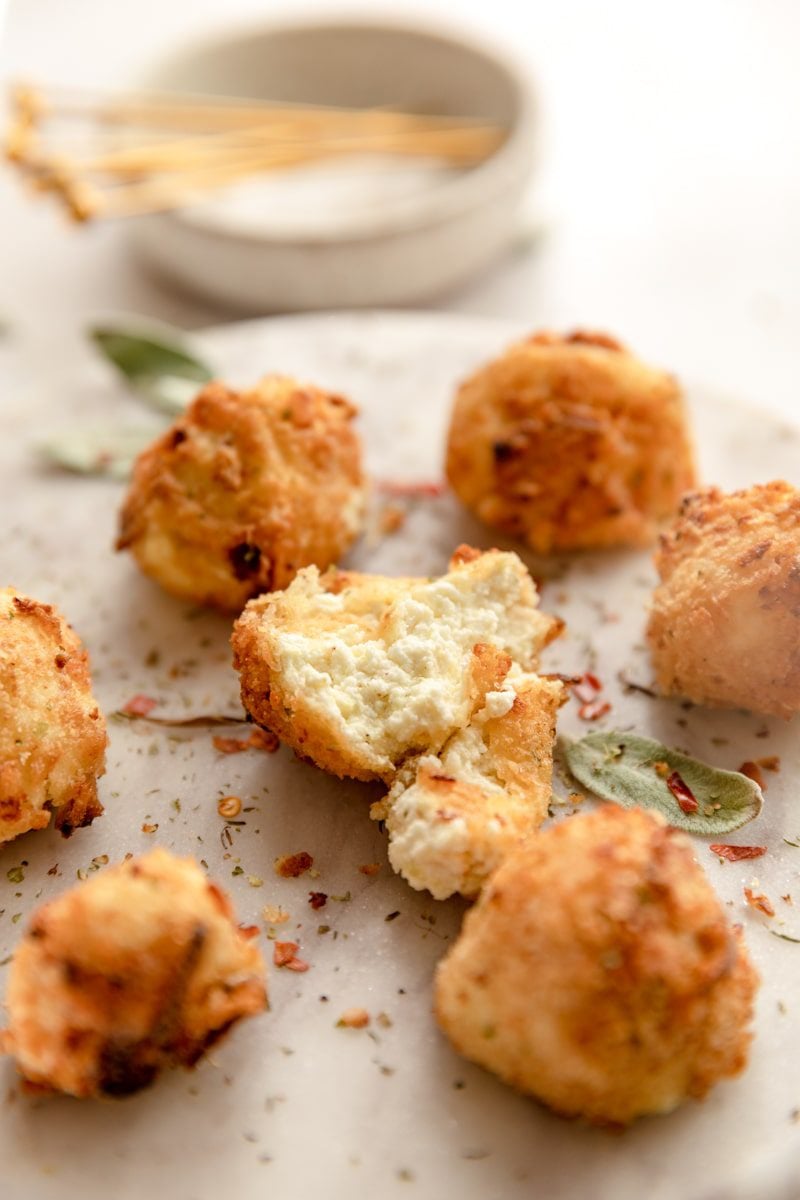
[670, 176]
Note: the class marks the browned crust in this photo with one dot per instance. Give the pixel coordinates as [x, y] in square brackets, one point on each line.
[570, 443]
[601, 962]
[244, 490]
[724, 626]
[52, 733]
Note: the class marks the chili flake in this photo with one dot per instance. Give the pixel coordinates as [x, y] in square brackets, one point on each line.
[736, 853]
[139, 705]
[317, 899]
[594, 710]
[370, 868]
[759, 901]
[289, 866]
[353, 1018]
[682, 793]
[285, 955]
[753, 771]
[229, 806]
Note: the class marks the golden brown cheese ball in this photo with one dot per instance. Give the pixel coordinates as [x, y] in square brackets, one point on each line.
[244, 490]
[453, 817]
[52, 734]
[357, 672]
[140, 968]
[570, 443]
[724, 624]
[598, 971]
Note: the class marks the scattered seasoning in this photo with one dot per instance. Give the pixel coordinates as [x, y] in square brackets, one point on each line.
[237, 870]
[15, 875]
[353, 1018]
[754, 772]
[789, 842]
[323, 929]
[587, 687]
[662, 769]
[785, 936]
[149, 828]
[682, 793]
[139, 705]
[759, 901]
[630, 685]
[289, 866]
[370, 868]
[317, 899]
[343, 899]
[182, 722]
[394, 487]
[736, 853]
[392, 915]
[771, 763]
[229, 806]
[285, 955]
[404, 1175]
[594, 710]
[384, 1020]
[249, 931]
[255, 881]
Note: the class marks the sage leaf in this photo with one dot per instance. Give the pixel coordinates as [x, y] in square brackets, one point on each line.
[633, 771]
[109, 453]
[163, 373]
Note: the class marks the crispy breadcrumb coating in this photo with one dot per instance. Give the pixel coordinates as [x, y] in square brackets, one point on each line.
[52, 734]
[138, 969]
[570, 443]
[453, 817]
[244, 490]
[598, 971]
[358, 672]
[724, 624]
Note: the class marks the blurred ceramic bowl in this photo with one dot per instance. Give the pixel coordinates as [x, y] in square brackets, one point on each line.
[404, 241]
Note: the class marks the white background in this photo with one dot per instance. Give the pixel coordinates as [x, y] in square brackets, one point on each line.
[670, 176]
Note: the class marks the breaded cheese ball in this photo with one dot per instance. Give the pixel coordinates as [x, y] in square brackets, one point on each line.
[599, 973]
[244, 490]
[140, 968]
[570, 443]
[453, 817]
[357, 672]
[52, 733]
[724, 624]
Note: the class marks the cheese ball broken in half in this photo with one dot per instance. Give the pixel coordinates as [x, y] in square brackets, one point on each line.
[599, 973]
[52, 733]
[570, 443]
[244, 490]
[724, 624]
[453, 817]
[359, 672]
[138, 969]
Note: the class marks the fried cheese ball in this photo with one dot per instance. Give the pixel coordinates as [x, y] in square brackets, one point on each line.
[599, 973]
[140, 968]
[453, 817]
[52, 733]
[357, 672]
[244, 490]
[570, 443]
[724, 624]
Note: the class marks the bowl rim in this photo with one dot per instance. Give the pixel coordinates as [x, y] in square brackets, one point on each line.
[462, 193]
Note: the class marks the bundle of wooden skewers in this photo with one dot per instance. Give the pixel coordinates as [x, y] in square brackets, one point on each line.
[119, 155]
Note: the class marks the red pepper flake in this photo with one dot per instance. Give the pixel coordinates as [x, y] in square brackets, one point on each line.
[317, 899]
[285, 955]
[771, 763]
[753, 771]
[736, 853]
[139, 705]
[587, 687]
[249, 931]
[756, 900]
[370, 868]
[682, 793]
[289, 866]
[353, 1018]
[259, 739]
[149, 828]
[594, 710]
[397, 487]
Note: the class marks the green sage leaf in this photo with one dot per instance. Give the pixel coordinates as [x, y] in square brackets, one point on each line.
[162, 372]
[621, 767]
[109, 453]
